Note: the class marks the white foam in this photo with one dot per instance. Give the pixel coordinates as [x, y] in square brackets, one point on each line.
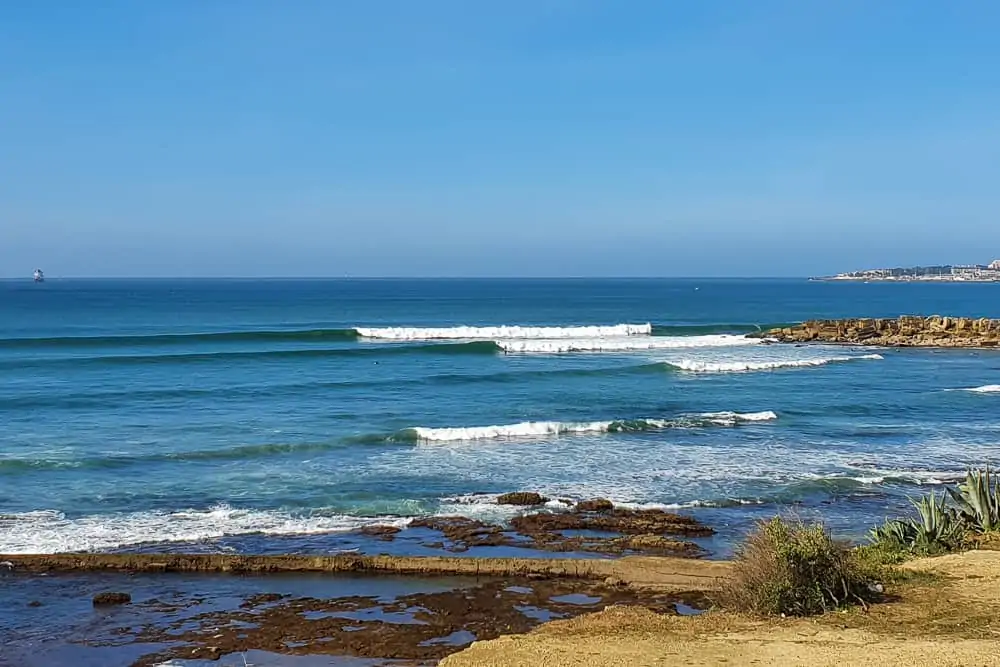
[522, 430]
[880, 476]
[691, 504]
[555, 428]
[733, 418]
[489, 333]
[484, 507]
[985, 389]
[47, 531]
[623, 344]
[695, 366]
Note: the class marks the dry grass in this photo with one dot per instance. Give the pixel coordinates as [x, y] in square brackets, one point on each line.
[793, 569]
[946, 613]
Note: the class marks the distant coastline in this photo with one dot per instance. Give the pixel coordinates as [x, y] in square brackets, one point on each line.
[949, 273]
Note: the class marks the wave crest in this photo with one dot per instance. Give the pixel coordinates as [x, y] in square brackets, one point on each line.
[622, 344]
[555, 428]
[513, 331]
[695, 366]
[985, 389]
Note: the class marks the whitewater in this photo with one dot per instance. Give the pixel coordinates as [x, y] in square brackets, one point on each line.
[506, 331]
[697, 366]
[623, 344]
[555, 428]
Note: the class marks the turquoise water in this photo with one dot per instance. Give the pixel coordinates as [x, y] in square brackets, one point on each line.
[251, 415]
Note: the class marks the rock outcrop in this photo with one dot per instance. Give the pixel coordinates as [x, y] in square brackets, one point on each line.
[525, 498]
[906, 331]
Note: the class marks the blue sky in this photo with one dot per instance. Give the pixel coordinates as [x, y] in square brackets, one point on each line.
[527, 137]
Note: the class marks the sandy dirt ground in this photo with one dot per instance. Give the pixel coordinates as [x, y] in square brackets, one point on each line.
[950, 619]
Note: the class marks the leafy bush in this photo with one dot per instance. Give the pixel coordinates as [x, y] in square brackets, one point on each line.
[797, 570]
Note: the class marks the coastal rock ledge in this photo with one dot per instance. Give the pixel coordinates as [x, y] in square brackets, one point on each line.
[906, 331]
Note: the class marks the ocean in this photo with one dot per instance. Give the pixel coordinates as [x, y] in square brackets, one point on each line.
[273, 416]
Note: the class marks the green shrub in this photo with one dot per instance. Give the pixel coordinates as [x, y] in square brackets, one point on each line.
[794, 569]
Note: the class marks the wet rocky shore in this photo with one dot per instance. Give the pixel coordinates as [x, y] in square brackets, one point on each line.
[905, 331]
[192, 609]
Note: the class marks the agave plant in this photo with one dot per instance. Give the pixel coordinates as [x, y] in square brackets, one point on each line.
[895, 533]
[978, 500]
[938, 529]
[939, 526]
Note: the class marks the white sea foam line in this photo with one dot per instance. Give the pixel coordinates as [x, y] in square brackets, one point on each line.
[693, 365]
[622, 344]
[51, 532]
[736, 417]
[522, 430]
[985, 389]
[548, 428]
[484, 507]
[513, 331]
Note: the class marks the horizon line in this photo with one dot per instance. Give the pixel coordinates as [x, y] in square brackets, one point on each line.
[399, 277]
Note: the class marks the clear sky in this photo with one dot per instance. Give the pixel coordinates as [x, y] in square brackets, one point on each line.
[525, 137]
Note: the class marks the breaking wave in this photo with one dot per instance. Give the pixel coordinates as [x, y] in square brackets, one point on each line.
[696, 366]
[488, 333]
[985, 389]
[49, 531]
[554, 428]
[622, 344]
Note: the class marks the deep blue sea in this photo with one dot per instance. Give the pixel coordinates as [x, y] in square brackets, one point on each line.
[276, 415]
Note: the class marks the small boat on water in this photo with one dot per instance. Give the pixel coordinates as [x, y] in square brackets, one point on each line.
[39, 276]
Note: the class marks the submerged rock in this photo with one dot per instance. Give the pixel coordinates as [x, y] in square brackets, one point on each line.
[463, 532]
[525, 498]
[110, 598]
[385, 533]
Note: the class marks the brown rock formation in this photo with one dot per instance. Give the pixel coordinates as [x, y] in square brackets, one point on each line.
[905, 331]
[595, 505]
[110, 598]
[522, 498]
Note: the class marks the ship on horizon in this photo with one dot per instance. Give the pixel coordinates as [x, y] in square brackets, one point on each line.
[39, 276]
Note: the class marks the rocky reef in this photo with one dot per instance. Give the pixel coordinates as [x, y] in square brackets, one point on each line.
[906, 331]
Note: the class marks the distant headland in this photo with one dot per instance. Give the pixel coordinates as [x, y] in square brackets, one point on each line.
[957, 273]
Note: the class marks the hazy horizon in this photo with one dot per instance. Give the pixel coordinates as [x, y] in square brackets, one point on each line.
[543, 139]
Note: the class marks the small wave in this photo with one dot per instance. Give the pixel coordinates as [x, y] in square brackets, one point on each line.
[46, 531]
[622, 344]
[289, 335]
[473, 348]
[488, 333]
[696, 366]
[555, 428]
[985, 389]
[240, 452]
